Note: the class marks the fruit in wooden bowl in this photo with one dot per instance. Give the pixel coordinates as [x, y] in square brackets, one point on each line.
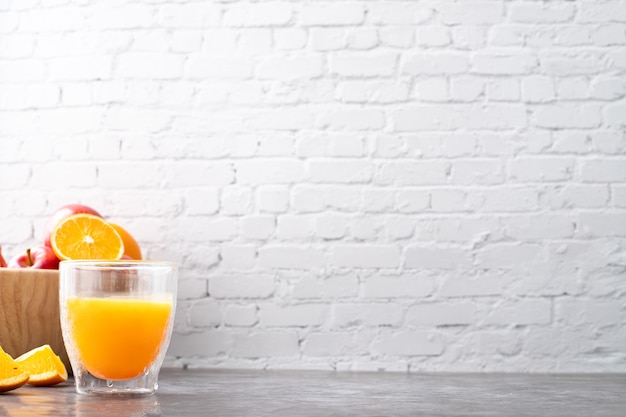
[38, 257]
[29, 282]
[29, 311]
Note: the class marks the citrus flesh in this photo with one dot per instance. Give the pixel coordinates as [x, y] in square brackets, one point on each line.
[43, 365]
[85, 236]
[12, 374]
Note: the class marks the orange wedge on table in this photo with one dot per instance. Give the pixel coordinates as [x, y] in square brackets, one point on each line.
[44, 366]
[85, 236]
[12, 374]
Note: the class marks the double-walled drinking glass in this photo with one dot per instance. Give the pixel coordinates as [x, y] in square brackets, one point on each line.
[117, 319]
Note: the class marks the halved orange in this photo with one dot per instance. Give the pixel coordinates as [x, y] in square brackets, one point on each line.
[85, 236]
[12, 374]
[131, 247]
[44, 366]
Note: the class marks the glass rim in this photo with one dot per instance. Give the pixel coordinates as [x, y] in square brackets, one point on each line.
[117, 263]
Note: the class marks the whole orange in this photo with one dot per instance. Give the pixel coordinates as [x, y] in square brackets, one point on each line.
[131, 247]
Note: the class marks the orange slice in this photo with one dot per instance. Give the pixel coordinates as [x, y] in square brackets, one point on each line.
[131, 247]
[12, 374]
[43, 365]
[85, 236]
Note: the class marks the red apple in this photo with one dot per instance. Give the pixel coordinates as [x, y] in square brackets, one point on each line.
[38, 257]
[3, 263]
[62, 213]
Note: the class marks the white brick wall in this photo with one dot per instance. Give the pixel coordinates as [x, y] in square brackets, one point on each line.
[405, 185]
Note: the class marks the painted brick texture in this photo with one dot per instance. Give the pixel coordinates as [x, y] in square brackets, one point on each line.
[348, 185]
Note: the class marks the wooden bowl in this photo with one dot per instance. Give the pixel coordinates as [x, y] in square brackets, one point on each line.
[29, 312]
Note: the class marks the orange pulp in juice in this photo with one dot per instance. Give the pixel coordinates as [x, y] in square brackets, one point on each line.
[118, 338]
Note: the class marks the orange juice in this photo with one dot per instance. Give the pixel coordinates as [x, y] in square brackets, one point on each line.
[118, 338]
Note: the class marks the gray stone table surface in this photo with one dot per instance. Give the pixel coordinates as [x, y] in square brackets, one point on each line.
[220, 393]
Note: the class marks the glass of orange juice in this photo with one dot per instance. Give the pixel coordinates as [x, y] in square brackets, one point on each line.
[117, 319]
